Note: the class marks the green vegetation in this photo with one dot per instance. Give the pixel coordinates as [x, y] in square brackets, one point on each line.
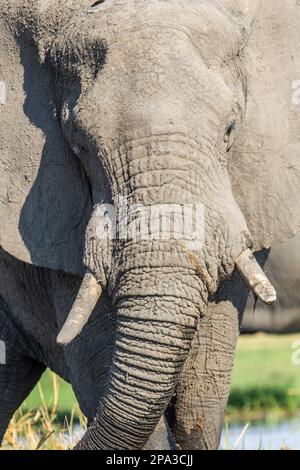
[38, 429]
[66, 400]
[265, 381]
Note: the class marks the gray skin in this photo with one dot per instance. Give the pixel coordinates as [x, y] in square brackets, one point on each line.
[161, 102]
[283, 270]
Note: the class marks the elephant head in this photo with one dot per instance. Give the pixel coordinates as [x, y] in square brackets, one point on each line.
[143, 102]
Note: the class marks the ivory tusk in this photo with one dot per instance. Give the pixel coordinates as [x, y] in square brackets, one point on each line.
[255, 277]
[86, 300]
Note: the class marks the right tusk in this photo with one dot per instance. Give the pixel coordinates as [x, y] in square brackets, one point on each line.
[86, 300]
[255, 277]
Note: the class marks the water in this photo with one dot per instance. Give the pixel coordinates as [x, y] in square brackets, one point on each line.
[258, 436]
[263, 436]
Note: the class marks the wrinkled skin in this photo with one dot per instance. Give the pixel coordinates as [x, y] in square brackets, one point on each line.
[159, 103]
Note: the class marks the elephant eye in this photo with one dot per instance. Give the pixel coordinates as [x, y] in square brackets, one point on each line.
[97, 3]
[78, 144]
[228, 137]
[230, 129]
[94, 6]
[78, 150]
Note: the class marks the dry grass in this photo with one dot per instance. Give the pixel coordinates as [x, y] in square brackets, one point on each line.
[38, 429]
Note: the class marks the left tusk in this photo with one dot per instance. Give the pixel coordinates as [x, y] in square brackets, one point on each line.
[86, 300]
[255, 277]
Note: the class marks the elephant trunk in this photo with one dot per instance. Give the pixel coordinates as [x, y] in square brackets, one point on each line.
[157, 277]
[154, 333]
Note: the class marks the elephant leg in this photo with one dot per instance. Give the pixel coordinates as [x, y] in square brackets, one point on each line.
[18, 372]
[161, 438]
[203, 388]
[17, 378]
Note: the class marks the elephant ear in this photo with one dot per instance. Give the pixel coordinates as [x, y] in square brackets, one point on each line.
[45, 200]
[265, 163]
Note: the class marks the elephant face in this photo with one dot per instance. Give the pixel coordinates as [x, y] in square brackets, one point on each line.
[156, 111]
[150, 108]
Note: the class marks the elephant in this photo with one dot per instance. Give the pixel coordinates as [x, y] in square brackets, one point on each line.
[282, 268]
[180, 111]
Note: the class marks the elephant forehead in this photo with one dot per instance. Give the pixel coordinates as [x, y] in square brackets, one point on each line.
[208, 28]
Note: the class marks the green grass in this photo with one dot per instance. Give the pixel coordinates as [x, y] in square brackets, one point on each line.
[265, 381]
[265, 359]
[42, 428]
[66, 398]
